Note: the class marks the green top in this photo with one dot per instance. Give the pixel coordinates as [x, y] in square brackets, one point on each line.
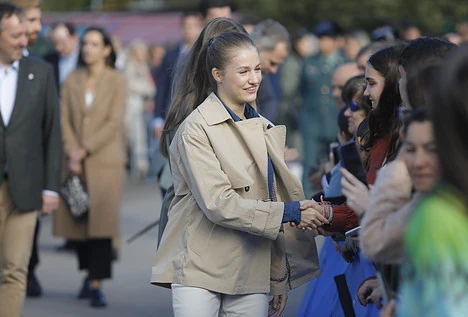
[435, 273]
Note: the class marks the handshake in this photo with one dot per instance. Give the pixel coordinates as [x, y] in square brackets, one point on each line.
[314, 215]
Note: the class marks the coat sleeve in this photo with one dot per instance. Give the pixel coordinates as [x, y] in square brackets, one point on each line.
[388, 211]
[70, 140]
[52, 135]
[216, 196]
[114, 121]
[344, 219]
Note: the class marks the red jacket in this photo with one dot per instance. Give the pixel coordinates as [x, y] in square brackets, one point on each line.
[344, 218]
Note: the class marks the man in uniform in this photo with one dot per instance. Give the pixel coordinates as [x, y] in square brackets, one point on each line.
[320, 111]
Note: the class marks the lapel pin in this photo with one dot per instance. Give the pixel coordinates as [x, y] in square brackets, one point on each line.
[31, 76]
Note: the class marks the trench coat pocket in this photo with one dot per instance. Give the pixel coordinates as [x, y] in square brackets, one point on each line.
[202, 235]
[205, 229]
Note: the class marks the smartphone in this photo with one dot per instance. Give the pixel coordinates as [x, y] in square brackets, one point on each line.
[334, 152]
[349, 157]
[353, 232]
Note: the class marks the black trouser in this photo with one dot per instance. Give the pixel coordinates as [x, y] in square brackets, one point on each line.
[34, 259]
[95, 256]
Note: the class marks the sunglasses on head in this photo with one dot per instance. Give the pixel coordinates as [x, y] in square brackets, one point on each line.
[353, 105]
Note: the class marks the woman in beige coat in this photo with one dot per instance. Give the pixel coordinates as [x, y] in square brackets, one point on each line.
[225, 247]
[92, 105]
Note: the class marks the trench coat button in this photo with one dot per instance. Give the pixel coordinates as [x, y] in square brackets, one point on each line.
[247, 188]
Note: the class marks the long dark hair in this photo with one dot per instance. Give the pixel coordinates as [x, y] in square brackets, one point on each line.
[448, 105]
[383, 120]
[195, 84]
[110, 60]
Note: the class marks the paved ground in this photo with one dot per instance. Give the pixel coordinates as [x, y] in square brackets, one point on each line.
[129, 292]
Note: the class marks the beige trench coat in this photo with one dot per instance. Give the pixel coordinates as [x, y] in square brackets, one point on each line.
[100, 129]
[223, 232]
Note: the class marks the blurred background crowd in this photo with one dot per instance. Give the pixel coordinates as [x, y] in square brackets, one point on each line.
[149, 36]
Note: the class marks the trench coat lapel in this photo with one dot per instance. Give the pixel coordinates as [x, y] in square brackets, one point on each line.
[100, 91]
[79, 89]
[252, 134]
[251, 131]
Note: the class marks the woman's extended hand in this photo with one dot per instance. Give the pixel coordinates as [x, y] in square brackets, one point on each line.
[369, 292]
[311, 215]
[277, 305]
[356, 192]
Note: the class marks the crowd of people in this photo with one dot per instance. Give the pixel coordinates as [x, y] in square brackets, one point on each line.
[260, 142]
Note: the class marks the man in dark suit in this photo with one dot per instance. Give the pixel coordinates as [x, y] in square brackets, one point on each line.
[192, 24]
[30, 154]
[33, 13]
[67, 50]
[64, 60]
[272, 41]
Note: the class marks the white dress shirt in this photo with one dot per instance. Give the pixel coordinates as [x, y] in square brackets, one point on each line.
[8, 84]
[67, 64]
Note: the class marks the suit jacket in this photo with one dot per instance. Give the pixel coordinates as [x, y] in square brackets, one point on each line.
[267, 99]
[54, 59]
[164, 80]
[223, 233]
[31, 144]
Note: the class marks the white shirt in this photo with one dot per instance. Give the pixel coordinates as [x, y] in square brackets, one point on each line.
[67, 64]
[89, 98]
[8, 85]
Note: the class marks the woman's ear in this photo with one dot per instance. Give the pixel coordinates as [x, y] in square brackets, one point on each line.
[217, 75]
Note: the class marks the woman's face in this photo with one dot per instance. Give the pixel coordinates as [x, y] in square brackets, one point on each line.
[420, 156]
[375, 85]
[238, 83]
[140, 53]
[93, 49]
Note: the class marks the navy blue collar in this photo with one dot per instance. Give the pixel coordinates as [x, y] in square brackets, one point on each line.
[249, 111]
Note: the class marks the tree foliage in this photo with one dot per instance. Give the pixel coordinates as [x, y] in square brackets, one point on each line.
[436, 16]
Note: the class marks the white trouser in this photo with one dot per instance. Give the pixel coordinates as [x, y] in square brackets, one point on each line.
[193, 301]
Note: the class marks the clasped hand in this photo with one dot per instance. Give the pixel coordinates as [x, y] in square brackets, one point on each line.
[312, 217]
[76, 157]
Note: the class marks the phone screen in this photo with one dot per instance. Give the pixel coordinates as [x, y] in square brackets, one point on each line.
[350, 160]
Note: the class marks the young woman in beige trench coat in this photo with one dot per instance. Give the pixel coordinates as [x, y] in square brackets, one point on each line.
[225, 248]
[92, 113]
